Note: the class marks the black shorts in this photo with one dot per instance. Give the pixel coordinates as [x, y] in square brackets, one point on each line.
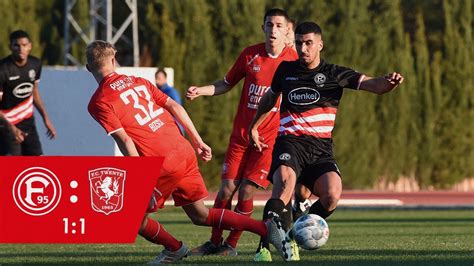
[309, 175]
[309, 157]
[31, 146]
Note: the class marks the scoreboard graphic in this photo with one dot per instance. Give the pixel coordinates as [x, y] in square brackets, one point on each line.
[74, 199]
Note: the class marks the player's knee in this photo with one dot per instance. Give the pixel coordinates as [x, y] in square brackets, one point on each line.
[226, 191]
[199, 219]
[247, 191]
[329, 200]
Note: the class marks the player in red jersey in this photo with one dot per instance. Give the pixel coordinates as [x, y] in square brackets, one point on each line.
[245, 169]
[310, 90]
[140, 119]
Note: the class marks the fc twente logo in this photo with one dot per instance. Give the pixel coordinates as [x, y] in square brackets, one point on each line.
[107, 189]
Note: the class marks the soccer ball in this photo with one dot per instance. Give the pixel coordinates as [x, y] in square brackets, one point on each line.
[310, 231]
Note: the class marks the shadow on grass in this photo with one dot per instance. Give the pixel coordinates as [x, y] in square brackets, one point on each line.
[401, 220]
[321, 257]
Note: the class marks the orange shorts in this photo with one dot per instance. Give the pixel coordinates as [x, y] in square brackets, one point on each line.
[245, 162]
[179, 178]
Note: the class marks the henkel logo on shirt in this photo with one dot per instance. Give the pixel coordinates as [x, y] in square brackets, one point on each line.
[303, 96]
[255, 94]
[23, 90]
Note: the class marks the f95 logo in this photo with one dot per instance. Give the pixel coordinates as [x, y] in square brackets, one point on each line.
[37, 191]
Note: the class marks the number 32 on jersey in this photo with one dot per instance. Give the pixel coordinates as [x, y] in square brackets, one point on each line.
[146, 112]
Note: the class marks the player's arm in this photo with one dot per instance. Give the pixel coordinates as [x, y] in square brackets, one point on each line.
[125, 143]
[17, 133]
[217, 88]
[183, 118]
[381, 85]
[38, 102]
[265, 106]
[235, 74]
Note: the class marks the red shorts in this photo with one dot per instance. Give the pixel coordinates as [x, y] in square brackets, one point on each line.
[244, 162]
[179, 178]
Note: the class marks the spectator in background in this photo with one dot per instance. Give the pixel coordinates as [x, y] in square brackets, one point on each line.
[161, 80]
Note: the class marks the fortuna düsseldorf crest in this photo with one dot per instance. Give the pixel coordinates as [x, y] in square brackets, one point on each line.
[107, 189]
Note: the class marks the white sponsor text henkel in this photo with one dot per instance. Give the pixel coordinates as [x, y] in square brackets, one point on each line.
[303, 96]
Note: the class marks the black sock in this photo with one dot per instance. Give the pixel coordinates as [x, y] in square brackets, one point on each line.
[286, 216]
[318, 209]
[274, 207]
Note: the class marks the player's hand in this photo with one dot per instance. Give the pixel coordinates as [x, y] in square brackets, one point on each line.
[394, 79]
[256, 141]
[192, 93]
[51, 131]
[204, 151]
[18, 134]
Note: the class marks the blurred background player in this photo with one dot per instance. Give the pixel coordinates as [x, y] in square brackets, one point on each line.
[140, 119]
[161, 80]
[290, 36]
[245, 169]
[19, 77]
[310, 90]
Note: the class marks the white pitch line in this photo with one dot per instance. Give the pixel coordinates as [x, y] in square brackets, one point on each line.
[342, 202]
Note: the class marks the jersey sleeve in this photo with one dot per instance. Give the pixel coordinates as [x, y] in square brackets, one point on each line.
[237, 72]
[347, 77]
[104, 115]
[158, 96]
[277, 84]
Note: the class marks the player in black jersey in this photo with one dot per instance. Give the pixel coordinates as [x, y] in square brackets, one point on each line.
[19, 78]
[311, 89]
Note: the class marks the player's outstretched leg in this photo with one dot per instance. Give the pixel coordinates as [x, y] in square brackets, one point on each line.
[272, 208]
[154, 232]
[244, 206]
[223, 201]
[212, 246]
[278, 217]
[223, 219]
[167, 256]
[277, 236]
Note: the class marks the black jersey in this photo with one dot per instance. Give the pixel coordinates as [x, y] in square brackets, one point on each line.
[310, 97]
[17, 83]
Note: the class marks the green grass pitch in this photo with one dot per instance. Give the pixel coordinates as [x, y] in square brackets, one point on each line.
[357, 237]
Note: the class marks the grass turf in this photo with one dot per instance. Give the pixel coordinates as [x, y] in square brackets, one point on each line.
[357, 237]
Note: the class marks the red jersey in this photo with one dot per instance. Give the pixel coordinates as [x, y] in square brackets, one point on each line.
[257, 67]
[136, 106]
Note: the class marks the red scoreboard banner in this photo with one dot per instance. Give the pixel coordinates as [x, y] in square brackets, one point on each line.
[74, 199]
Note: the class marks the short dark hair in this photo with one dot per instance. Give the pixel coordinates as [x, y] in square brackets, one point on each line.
[275, 12]
[18, 34]
[161, 71]
[308, 27]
